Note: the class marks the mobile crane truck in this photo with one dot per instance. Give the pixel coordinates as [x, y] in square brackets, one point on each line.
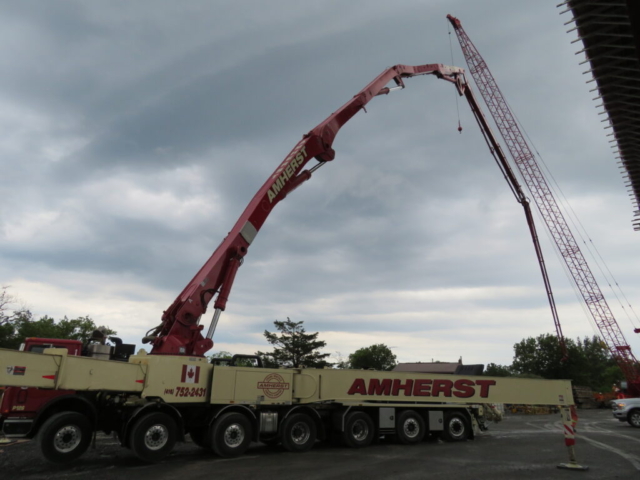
[63, 395]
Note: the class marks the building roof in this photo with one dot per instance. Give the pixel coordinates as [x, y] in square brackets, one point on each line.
[610, 33]
[427, 367]
[440, 367]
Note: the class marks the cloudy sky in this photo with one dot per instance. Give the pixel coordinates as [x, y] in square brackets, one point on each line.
[135, 133]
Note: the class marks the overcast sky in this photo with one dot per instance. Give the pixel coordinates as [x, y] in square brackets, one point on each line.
[135, 133]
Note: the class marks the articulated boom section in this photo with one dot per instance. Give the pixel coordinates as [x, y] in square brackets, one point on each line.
[549, 209]
[180, 332]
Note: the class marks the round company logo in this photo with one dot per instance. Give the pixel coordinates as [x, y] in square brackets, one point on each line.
[273, 385]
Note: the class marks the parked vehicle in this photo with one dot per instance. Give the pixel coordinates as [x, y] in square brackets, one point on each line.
[627, 409]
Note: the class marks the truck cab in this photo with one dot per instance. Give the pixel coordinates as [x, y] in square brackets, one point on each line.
[37, 345]
[19, 406]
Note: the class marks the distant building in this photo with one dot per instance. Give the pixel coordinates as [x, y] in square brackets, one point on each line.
[455, 368]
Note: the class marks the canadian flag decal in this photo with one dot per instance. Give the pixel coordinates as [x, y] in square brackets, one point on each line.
[190, 374]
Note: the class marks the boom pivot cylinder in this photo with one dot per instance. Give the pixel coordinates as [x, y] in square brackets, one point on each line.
[214, 323]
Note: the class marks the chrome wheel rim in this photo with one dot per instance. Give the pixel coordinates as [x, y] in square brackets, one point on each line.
[300, 433]
[411, 428]
[456, 427]
[156, 437]
[67, 438]
[360, 430]
[233, 435]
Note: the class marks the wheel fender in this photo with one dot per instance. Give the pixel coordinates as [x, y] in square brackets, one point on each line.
[315, 415]
[231, 408]
[72, 403]
[159, 406]
[338, 419]
[631, 412]
[471, 421]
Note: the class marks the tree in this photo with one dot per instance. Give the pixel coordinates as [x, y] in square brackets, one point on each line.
[495, 370]
[377, 357]
[222, 354]
[227, 356]
[5, 301]
[341, 362]
[542, 356]
[588, 361]
[293, 347]
[9, 316]
[23, 326]
[18, 324]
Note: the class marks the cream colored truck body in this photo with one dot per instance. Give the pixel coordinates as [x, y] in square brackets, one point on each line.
[225, 407]
[168, 378]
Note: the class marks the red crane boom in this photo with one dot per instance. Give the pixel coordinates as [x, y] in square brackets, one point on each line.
[550, 211]
[180, 330]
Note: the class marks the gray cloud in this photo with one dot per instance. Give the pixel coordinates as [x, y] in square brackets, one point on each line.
[136, 133]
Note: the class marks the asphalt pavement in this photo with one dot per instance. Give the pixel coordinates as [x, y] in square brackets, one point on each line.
[520, 447]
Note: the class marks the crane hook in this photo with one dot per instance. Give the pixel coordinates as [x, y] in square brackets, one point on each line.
[459, 127]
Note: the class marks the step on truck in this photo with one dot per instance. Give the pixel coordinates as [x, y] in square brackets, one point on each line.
[63, 395]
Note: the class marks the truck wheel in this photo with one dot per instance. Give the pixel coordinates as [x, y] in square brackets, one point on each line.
[298, 433]
[456, 427]
[153, 437]
[634, 418]
[358, 430]
[231, 434]
[200, 437]
[64, 437]
[410, 428]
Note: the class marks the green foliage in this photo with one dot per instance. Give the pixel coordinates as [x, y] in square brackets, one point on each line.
[377, 357]
[293, 347]
[495, 370]
[224, 355]
[221, 354]
[588, 361]
[341, 363]
[17, 325]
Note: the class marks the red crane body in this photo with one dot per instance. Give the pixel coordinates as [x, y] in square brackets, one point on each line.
[550, 211]
[180, 332]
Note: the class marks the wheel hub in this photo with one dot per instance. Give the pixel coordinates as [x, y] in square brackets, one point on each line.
[156, 437]
[67, 438]
[456, 427]
[300, 433]
[411, 428]
[360, 430]
[233, 435]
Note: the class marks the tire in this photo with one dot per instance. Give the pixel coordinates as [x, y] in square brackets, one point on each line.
[456, 427]
[634, 418]
[200, 437]
[298, 433]
[231, 434]
[153, 437]
[358, 430]
[410, 428]
[64, 437]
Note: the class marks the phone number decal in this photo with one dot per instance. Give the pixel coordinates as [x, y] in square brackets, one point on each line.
[190, 392]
